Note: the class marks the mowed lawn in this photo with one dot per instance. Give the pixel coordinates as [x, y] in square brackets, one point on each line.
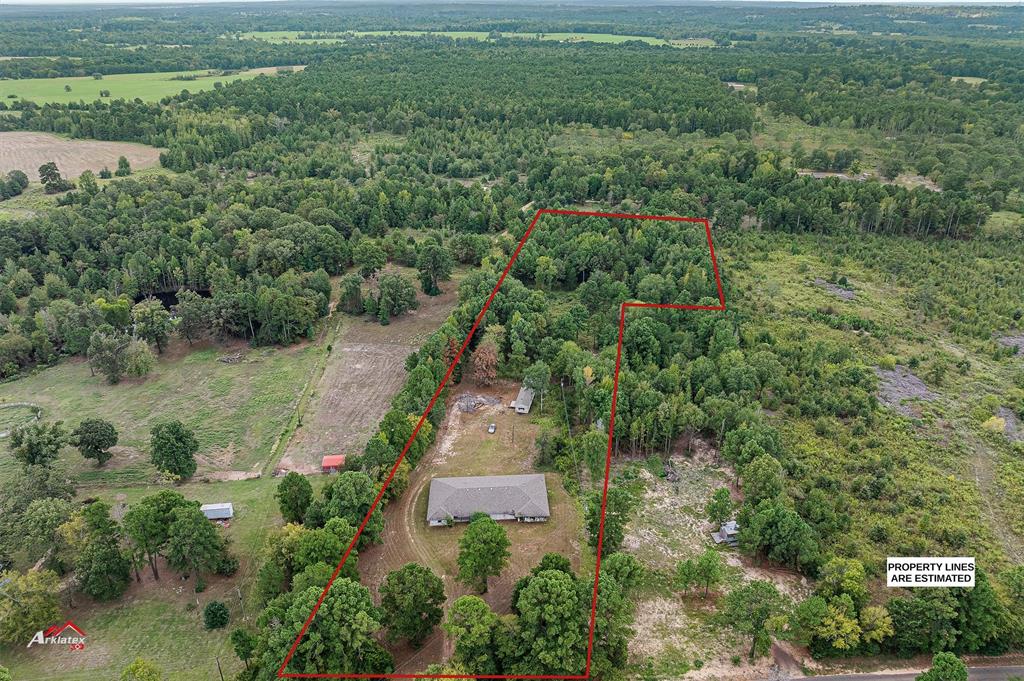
[153, 619]
[238, 409]
[293, 36]
[149, 87]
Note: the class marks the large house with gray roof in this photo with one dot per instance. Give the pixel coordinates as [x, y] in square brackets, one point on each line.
[523, 498]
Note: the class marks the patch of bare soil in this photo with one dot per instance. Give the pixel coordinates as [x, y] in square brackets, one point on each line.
[835, 289]
[26, 151]
[1013, 428]
[1015, 340]
[681, 629]
[899, 385]
[365, 370]
[674, 528]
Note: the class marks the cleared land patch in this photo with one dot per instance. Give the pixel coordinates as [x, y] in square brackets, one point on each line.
[26, 151]
[365, 370]
[465, 448]
[149, 87]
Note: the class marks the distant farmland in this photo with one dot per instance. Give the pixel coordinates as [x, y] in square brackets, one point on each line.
[293, 36]
[149, 87]
[26, 151]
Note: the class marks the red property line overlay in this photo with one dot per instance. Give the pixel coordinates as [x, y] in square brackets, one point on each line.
[282, 674]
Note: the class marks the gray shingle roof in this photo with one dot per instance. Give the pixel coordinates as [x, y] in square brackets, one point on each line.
[515, 495]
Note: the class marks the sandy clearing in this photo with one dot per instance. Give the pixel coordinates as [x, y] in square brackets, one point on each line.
[26, 151]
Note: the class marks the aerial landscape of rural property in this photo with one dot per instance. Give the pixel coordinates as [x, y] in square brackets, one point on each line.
[633, 341]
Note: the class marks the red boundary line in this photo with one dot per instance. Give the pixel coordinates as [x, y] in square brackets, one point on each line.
[282, 674]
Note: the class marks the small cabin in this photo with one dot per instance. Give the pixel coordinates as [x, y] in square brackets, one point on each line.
[728, 534]
[223, 511]
[524, 401]
[332, 463]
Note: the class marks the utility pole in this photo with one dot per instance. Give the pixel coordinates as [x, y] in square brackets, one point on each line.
[219, 670]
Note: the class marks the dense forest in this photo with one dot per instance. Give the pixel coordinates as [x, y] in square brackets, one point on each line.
[285, 196]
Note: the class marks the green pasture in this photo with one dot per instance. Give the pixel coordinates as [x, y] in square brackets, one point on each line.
[150, 87]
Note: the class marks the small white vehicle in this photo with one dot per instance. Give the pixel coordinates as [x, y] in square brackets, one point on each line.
[491, 428]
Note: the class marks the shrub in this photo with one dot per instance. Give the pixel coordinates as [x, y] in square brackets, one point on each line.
[215, 615]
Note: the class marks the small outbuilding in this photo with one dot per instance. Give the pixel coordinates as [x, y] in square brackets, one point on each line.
[728, 534]
[223, 511]
[524, 401]
[332, 463]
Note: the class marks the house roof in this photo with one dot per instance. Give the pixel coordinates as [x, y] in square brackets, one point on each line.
[518, 495]
[525, 398]
[333, 460]
[217, 511]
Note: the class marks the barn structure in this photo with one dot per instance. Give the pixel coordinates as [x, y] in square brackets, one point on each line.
[523, 498]
[332, 463]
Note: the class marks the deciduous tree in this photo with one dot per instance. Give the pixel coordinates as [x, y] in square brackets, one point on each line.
[411, 600]
[294, 494]
[94, 438]
[173, 448]
[483, 551]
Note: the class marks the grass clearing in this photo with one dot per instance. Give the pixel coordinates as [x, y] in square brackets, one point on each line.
[237, 409]
[149, 87]
[970, 80]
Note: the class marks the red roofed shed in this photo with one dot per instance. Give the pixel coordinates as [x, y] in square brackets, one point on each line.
[332, 463]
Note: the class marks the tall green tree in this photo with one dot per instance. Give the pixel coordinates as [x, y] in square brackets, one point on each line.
[339, 640]
[472, 624]
[173, 448]
[719, 508]
[94, 438]
[368, 257]
[153, 323]
[29, 602]
[750, 610]
[395, 296]
[193, 545]
[410, 601]
[244, 644]
[38, 443]
[621, 503]
[102, 568]
[709, 569]
[483, 551]
[435, 264]
[945, 667]
[294, 494]
[551, 629]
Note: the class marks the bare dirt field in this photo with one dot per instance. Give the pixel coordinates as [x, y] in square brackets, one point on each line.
[464, 447]
[838, 291]
[897, 386]
[26, 151]
[365, 370]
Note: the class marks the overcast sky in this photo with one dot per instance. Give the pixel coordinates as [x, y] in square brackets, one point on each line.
[8, 3]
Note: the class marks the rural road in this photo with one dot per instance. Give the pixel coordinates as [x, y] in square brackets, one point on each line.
[976, 674]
